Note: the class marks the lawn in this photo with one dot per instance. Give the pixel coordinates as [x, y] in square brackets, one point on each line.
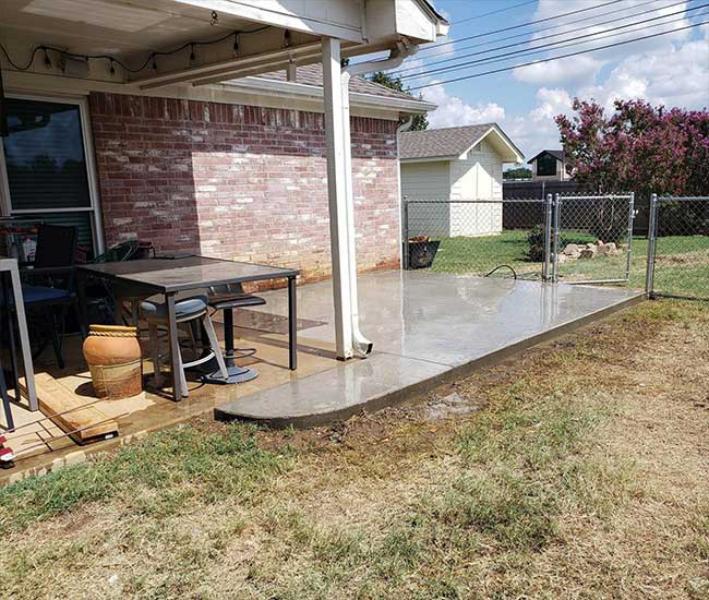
[578, 470]
[682, 267]
[479, 255]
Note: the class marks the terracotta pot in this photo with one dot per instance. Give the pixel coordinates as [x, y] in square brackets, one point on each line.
[115, 361]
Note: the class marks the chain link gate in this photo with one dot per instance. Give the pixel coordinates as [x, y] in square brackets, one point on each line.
[483, 237]
[678, 247]
[592, 238]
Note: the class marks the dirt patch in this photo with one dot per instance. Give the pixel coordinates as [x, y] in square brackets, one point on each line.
[696, 258]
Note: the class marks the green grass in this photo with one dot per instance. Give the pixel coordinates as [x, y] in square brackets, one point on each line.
[481, 254]
[682, 267]
[158, 476]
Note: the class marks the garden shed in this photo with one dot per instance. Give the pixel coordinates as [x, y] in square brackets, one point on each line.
[455, 164]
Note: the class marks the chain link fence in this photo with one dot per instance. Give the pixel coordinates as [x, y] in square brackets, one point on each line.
[592, 239]
[492, 237]
[678, 247]
[570, 238]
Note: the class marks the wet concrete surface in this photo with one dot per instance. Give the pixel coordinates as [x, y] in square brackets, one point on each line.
[425, 326]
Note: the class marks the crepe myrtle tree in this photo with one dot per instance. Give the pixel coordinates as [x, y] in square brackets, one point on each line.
[642, 148]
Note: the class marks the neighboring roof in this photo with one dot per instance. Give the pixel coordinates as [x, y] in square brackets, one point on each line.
[309, 83]
[449, 142]
[557, 154]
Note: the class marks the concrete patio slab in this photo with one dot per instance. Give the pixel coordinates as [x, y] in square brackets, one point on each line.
[426, 328]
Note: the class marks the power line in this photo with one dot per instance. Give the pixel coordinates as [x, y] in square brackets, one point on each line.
[559, 44]
[583, 28]
[552, 58]
[553, 27]
[479, 35]
[493, 12]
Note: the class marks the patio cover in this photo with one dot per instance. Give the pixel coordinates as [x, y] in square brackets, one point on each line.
[129, 46]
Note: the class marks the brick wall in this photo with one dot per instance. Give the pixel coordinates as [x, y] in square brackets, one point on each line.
[238, 182]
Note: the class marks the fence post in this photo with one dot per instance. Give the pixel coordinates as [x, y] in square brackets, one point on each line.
[557, 227]
[405, 232]
[547, 236]
[651, 242]
[631, 222]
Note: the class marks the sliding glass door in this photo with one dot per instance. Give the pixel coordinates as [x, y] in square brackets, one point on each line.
[46, 167]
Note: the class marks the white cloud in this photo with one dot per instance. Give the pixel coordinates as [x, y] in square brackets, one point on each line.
[675, 76]
[536, 130]
[453, 111]
[584, 68]
[551, 102]
[573, 70]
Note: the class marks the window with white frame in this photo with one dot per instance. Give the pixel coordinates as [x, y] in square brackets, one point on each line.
[46, 167]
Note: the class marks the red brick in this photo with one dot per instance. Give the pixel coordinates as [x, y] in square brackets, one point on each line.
[239, 182]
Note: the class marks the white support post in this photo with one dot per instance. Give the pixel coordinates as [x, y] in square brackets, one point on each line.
[337, 195]
[360, 344]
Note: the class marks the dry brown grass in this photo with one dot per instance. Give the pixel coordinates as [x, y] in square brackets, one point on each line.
[583, 475]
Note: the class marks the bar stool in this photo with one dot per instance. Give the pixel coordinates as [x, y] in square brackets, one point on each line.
[189, 310]
[227, 298]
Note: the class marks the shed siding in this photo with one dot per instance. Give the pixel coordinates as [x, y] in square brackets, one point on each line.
[477, 177]
[427, 181]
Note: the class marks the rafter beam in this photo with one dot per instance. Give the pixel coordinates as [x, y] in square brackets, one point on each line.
[221, 70]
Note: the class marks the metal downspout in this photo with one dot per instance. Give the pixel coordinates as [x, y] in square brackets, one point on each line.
[361, 345]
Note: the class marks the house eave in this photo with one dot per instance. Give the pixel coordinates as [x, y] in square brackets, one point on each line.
[515, 155]
[429, 159]
[294, 89]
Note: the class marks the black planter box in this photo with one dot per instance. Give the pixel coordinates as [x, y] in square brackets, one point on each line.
[422, 253]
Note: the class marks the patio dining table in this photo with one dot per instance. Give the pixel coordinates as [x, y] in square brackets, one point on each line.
[169, 276]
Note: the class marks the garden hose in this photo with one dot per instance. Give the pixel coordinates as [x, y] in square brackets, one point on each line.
[514, 273]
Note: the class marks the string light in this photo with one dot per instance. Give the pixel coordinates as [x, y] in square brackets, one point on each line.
[150, 61]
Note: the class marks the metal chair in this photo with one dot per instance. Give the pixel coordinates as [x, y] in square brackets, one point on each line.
[49, 283]
[187, 311]
[227, 298]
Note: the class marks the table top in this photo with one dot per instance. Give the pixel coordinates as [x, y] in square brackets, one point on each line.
[176, 274]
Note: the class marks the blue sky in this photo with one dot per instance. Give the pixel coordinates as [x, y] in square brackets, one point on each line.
[671, 69]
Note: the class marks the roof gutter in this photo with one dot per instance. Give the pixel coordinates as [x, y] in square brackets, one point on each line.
[277, 88]
[361, 345]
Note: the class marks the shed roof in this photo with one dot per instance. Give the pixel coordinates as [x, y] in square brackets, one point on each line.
[450, 142]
